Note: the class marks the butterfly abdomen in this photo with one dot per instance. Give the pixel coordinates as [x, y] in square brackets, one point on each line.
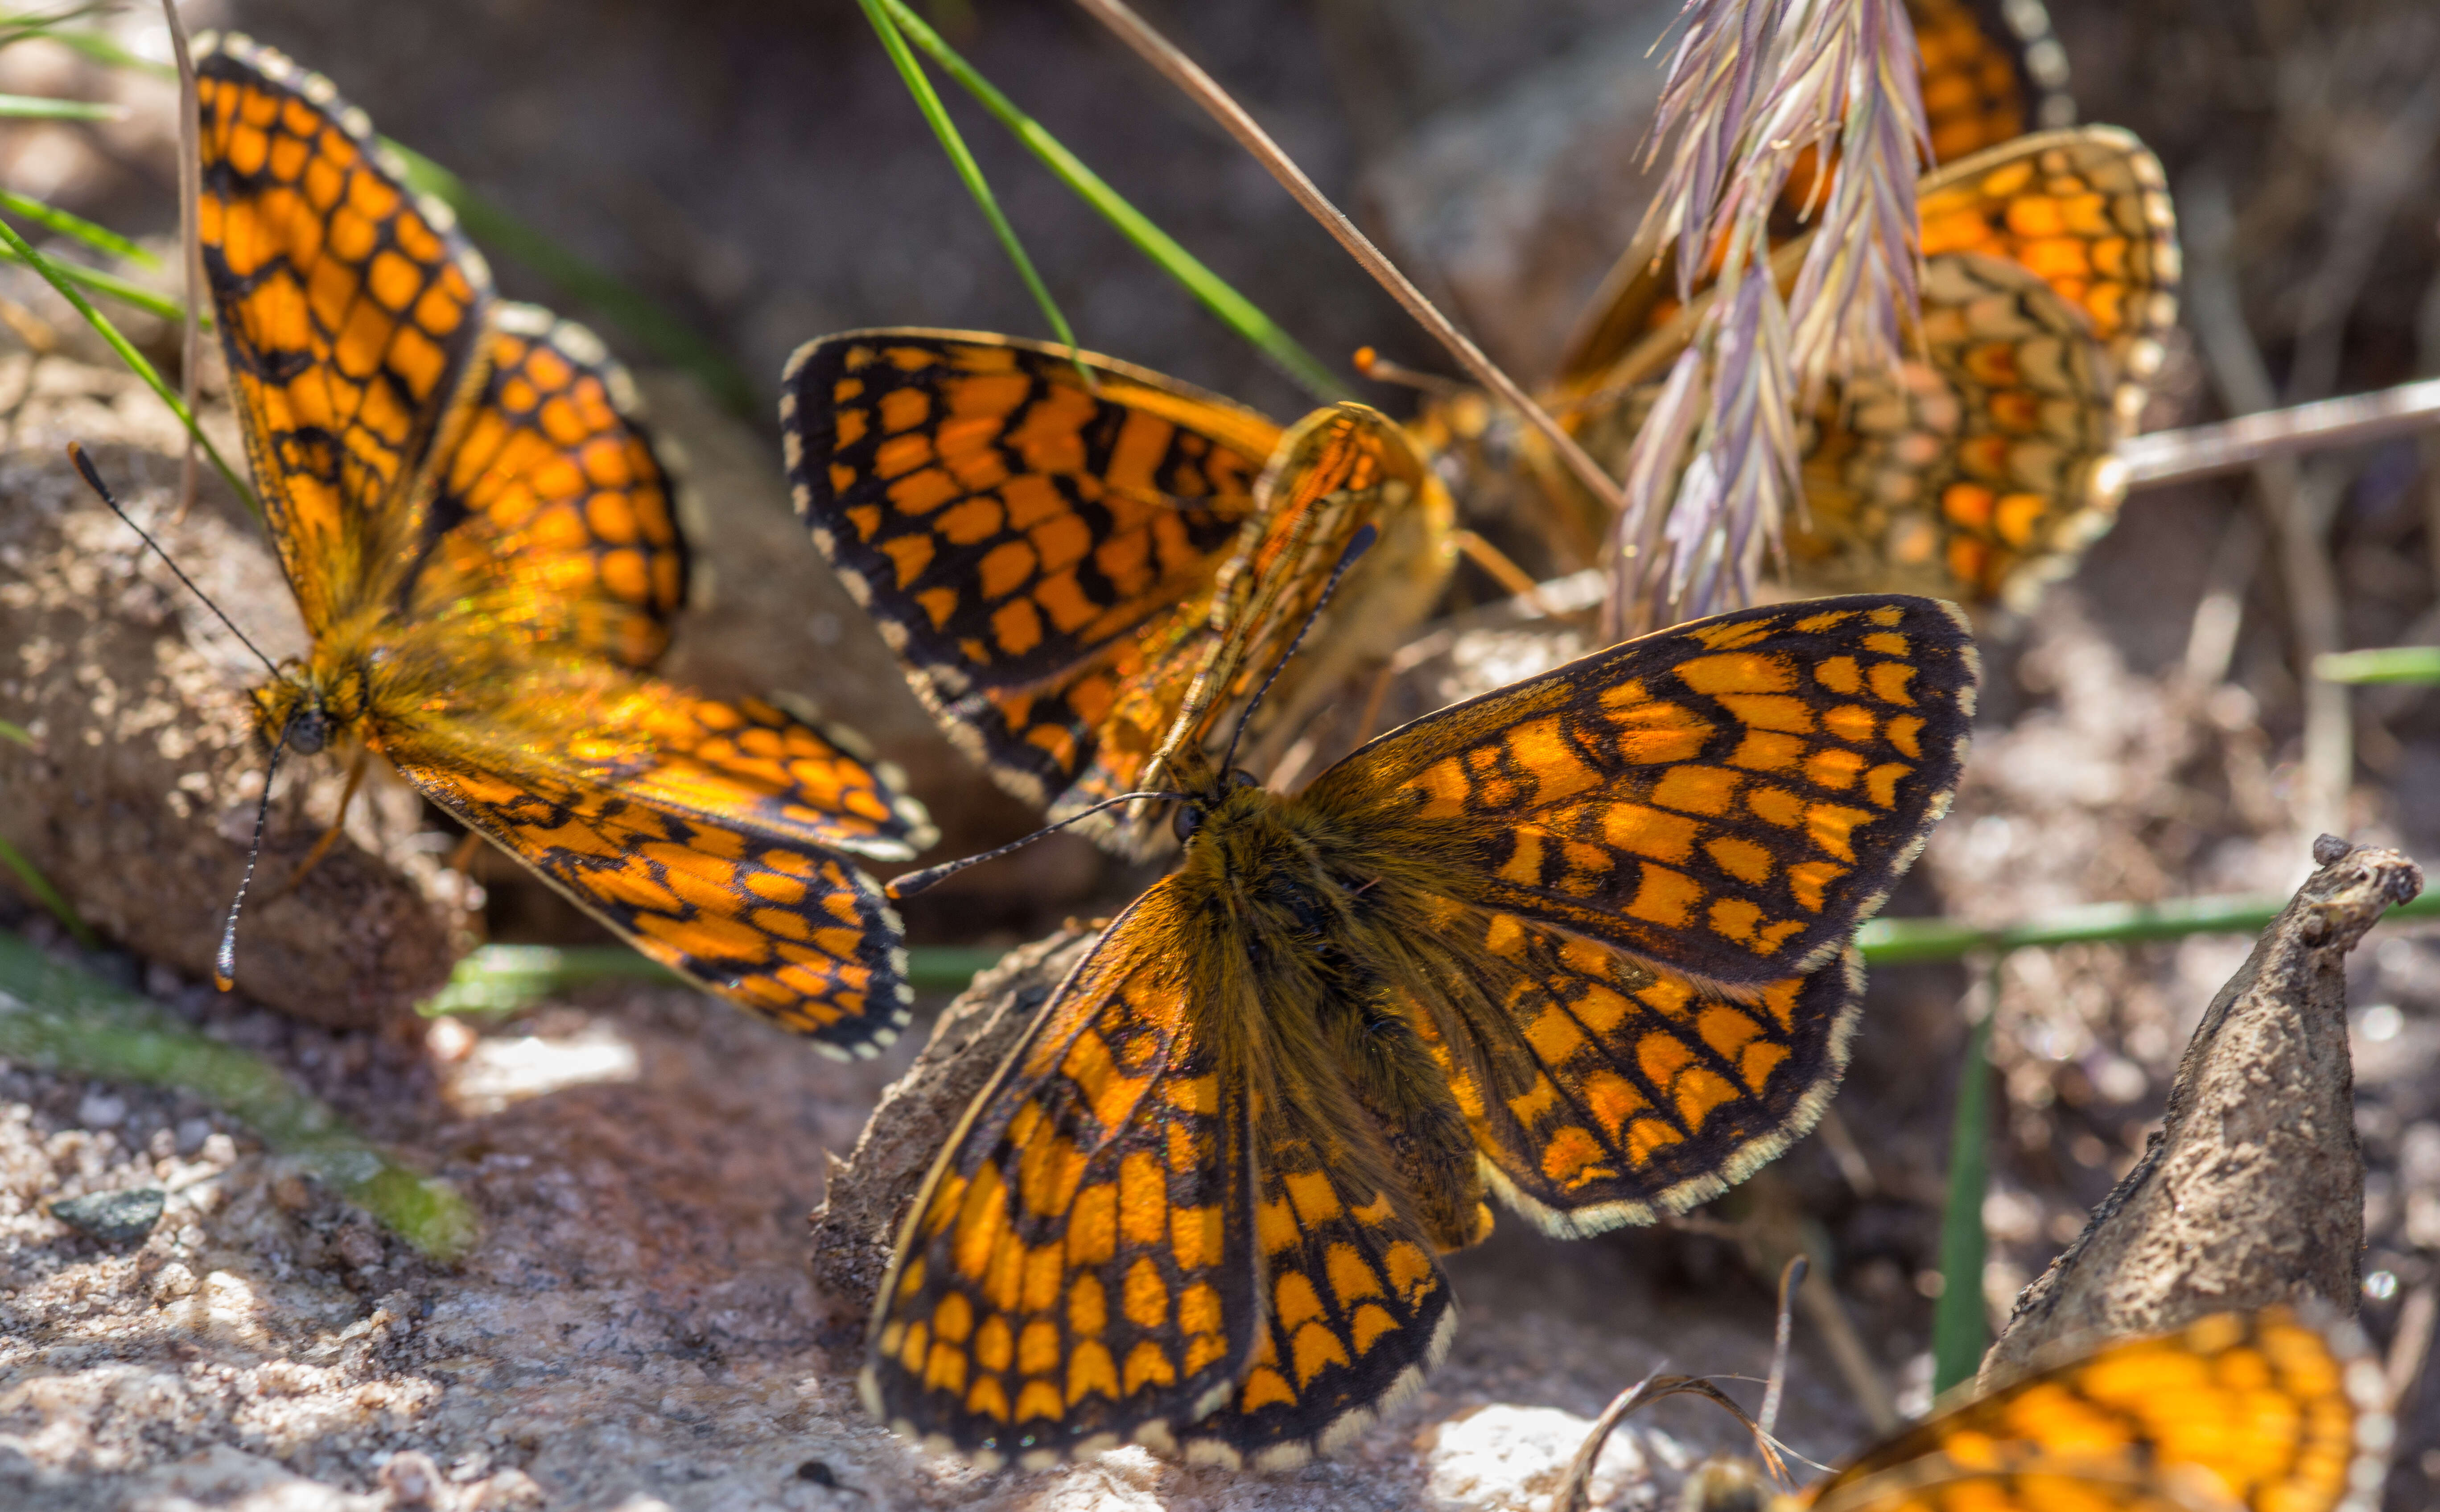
[1313, 939]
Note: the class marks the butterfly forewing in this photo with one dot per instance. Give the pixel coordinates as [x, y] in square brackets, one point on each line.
[352, 313]
[1731, 798]
[1032, 549]
[551, 513]
[2265, 1412]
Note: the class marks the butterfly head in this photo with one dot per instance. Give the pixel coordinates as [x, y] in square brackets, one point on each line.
[1216, 795]
[305, 707]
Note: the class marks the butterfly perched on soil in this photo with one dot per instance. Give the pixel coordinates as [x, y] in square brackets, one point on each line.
[1982, 472]
[1583, 943]
[2264, 1411]
[485, 552]
[1081, 581]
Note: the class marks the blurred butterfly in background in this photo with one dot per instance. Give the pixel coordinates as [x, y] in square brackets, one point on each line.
[1985, 467]
[2264, 1411]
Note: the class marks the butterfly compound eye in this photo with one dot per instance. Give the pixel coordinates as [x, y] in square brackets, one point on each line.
[309, 729]
[1188, 820]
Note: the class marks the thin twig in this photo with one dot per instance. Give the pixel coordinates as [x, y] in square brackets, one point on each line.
[1574, 1488]
[1188, 76]
[2166, 456]
[191, 241]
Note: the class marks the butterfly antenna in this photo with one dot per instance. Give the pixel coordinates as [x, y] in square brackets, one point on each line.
[1363, 543]
[93, 481]
[1790, 1277]
[914, 882]
[1382, 370]
[224, 959]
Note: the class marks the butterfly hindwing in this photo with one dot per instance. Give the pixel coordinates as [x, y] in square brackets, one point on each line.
[717, 838]
[352, 313]
[551, 513]
[1983, 469]
[1080, 1268]
[1355, 1308]
[1606, 1090]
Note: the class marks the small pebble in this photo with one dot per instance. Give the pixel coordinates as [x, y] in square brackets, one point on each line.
[102, 1109]
[191, 1134]
[114, 1218]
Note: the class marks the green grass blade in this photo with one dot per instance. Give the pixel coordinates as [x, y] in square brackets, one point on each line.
[505, 978]
[927, 99]
[49, 896]
[1233, 310]
[16, 733]
[1960, 1328]
[35, 107]
[67, 1022]
[101, 238]
[1891, 942]
[501, 978]
[92, 45]
[663, 334]
[111, 286]
[128, 355]
[2386, 664]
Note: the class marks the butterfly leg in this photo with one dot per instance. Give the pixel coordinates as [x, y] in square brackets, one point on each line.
[463, 856]
[338, 821]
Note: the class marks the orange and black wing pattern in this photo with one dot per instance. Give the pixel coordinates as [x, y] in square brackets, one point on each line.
[1032, 547]
[1607, 1091]
[485, 547]
[1991, 71]
[2265, 1412]
[552, 517]
[1080, 1268]
[352, 313]
[1731, 796]
[1145, 1233]
[718, 839]
[1582, 945]
[1984, 468]
[1987, 468]
[1645, 871]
